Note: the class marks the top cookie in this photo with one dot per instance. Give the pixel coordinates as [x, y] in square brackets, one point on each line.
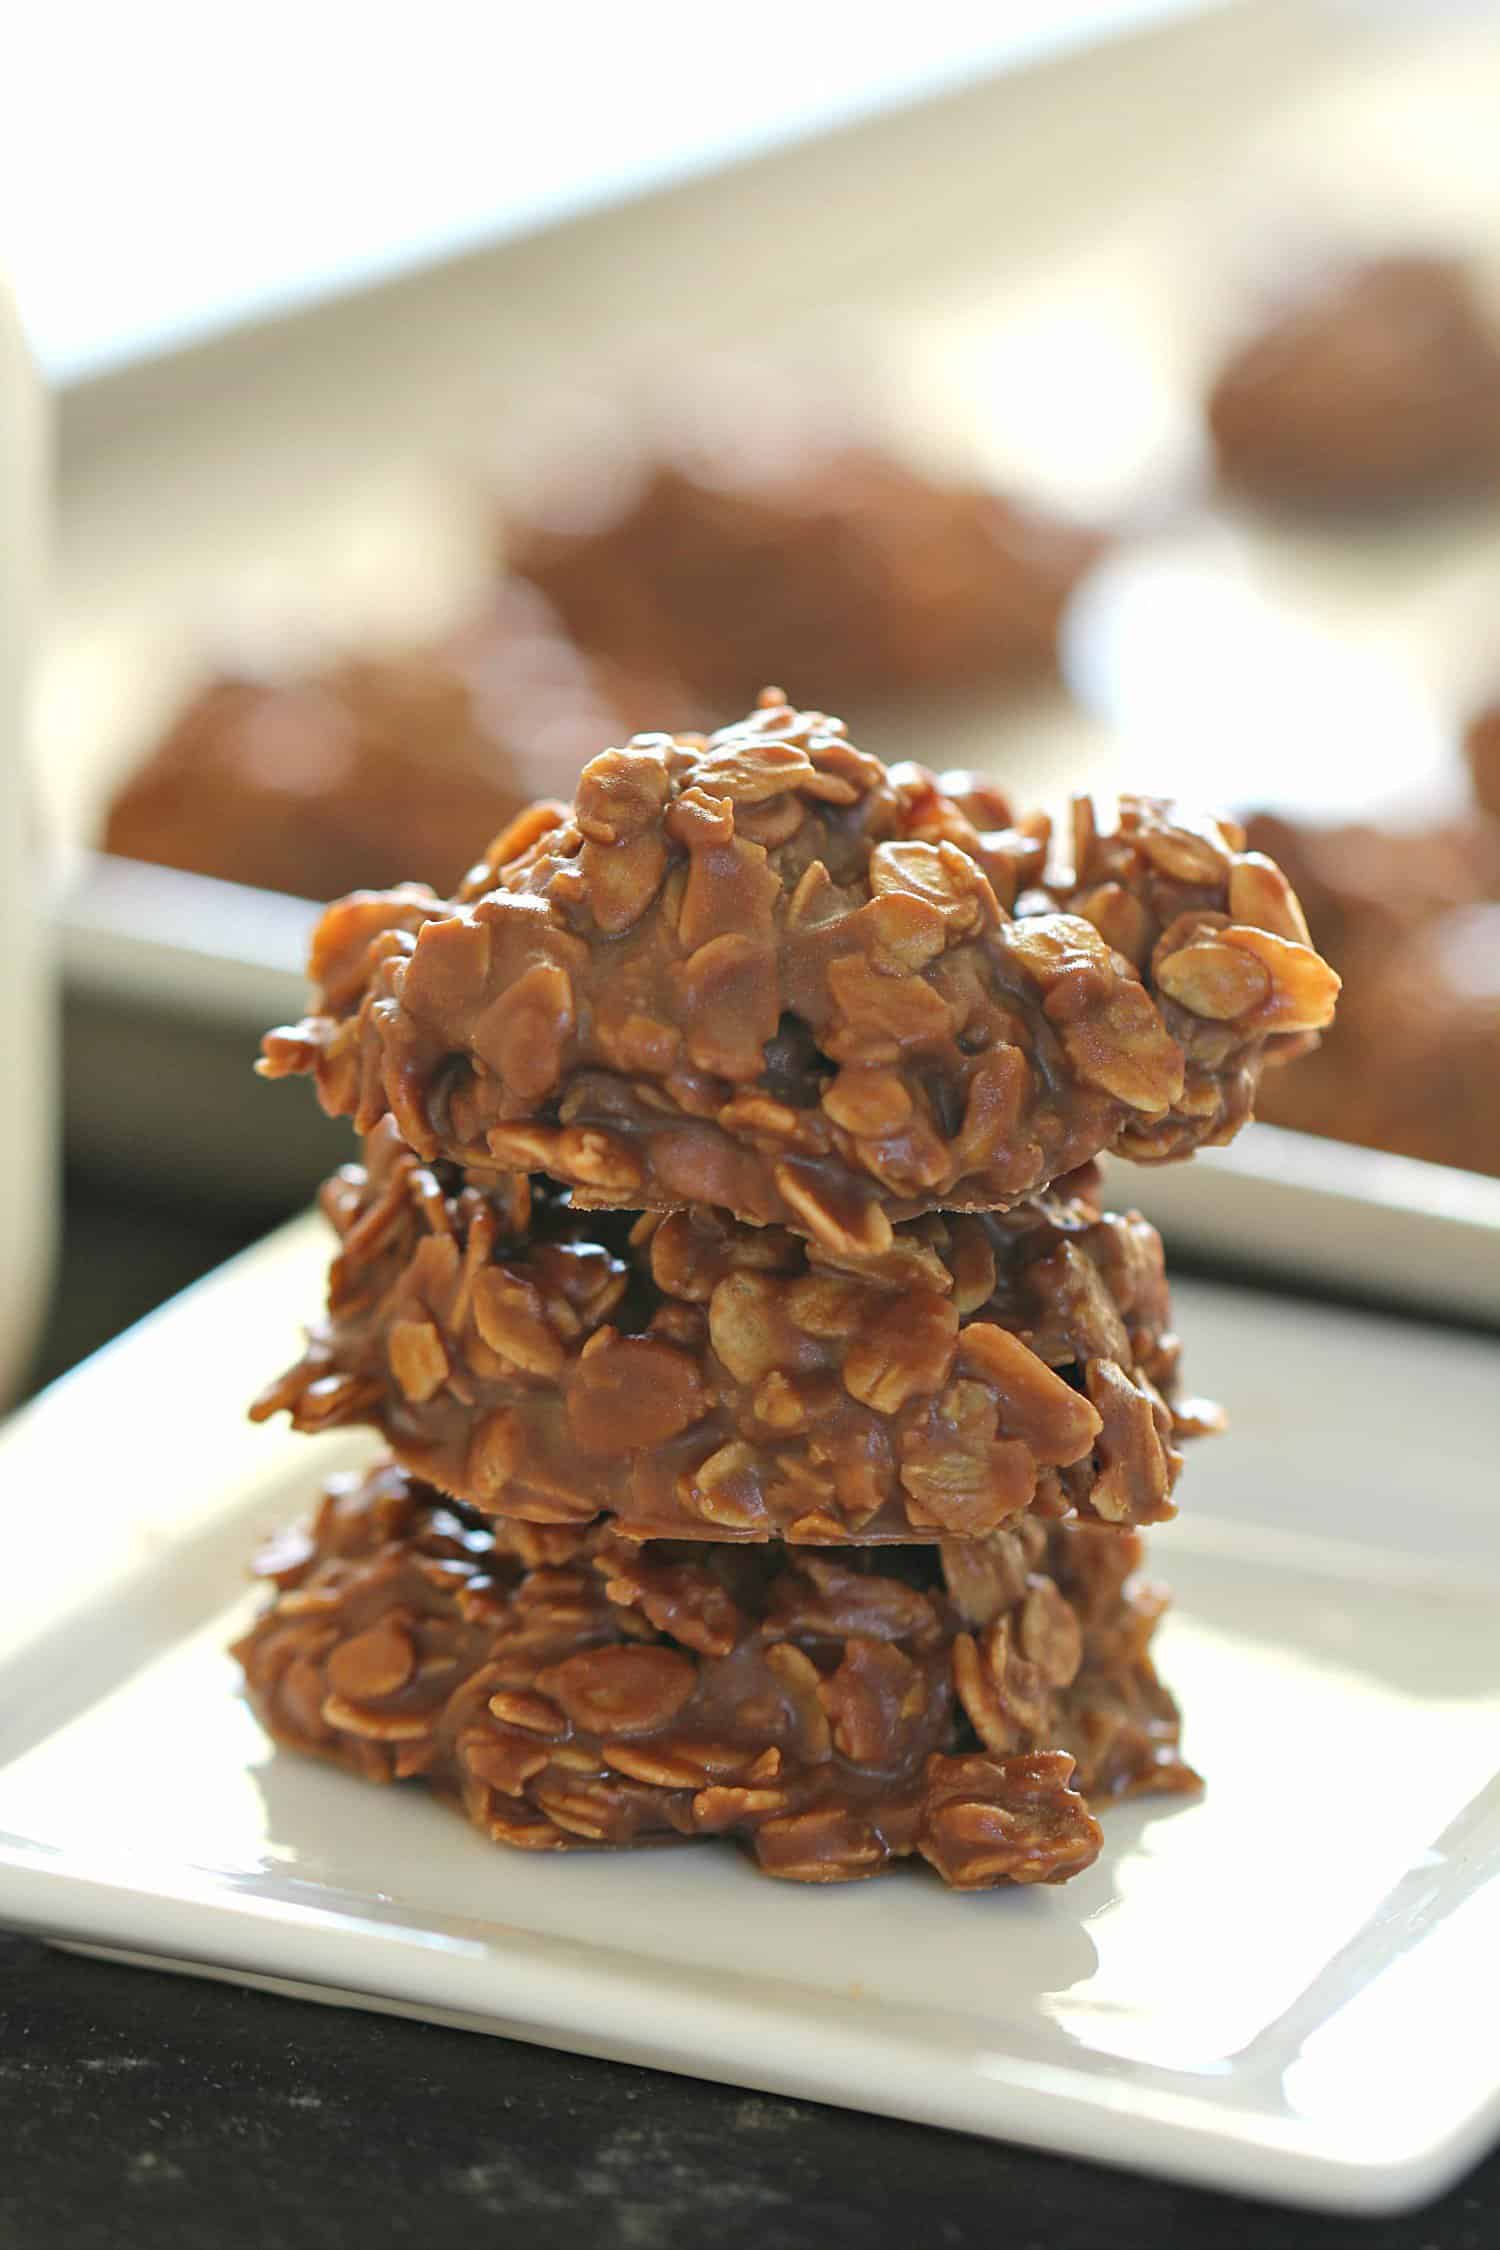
[760, 970]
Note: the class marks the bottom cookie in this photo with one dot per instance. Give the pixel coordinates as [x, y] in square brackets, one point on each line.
[832, 1710]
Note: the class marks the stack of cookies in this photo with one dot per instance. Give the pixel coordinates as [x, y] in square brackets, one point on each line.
[771, 1407]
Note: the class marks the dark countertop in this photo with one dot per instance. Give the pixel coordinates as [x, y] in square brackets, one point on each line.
[143, 2109]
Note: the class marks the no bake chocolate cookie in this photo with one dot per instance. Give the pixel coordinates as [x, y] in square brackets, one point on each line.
[1482, 749]
[696, 1377]
[800, 558]
[1371, 384]
[382, 765]
[1411, 919]
[567, 1689]
[764, 972]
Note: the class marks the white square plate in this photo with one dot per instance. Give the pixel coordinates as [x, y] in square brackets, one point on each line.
[1288, 1987]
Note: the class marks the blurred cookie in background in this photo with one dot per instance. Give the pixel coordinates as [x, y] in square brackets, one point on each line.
[381, 766]
[1482, 748]
[782, 549]
[1366, 384]
[1411, 920]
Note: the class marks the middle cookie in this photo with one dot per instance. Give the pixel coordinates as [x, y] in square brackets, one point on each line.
[696, 1377]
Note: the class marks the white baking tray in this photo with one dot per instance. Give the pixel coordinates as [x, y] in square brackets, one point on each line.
[1285, 1988]
[1029, 276]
